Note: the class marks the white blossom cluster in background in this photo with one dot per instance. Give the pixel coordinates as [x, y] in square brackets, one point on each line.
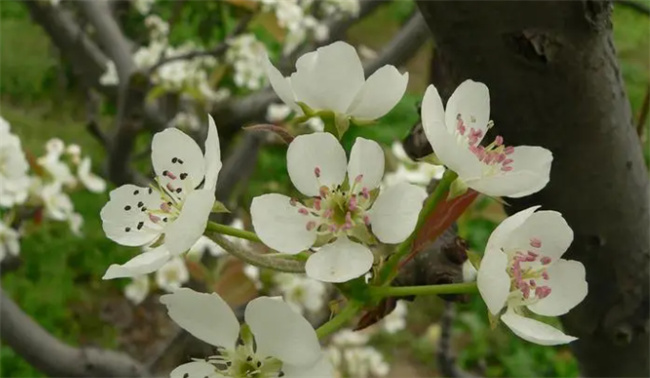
[245, 54]
[410, 171]
[296, 18]
[42, 187]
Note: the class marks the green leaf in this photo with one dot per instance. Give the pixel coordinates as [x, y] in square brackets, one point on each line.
[309, 112]
[474, 259]
[457, 188]
[155, 93]
[219, 207]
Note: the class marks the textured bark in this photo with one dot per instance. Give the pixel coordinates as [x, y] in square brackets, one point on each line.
[555, 82]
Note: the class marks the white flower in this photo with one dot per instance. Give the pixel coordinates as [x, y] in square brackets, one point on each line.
[58, 205]
[277, 113]
[172, 275]
[315, 124]
[469, 272]
[75, 221]
[456, 133]
[317, 167]
[186, 120]
[522, 267]
[9, 241]
[253, 274]
[14, 182]
[143, 6]
[352, 358]
[174, 213]
[74, 152]
[276, 342]
[92, 182]
[245, 54]
[332, 78]
[51, 162]
[396, 320]
[137, 290]
[301, 293]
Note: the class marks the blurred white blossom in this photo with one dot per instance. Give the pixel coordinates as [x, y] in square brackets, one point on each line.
[276, 113]
[396, 320]
[143, 6]
[246, 54]
[9, 241]
[205, 244]
[351, 356]
[172, 275]
[186, 121]
[137, 290]
[91, 181]
[14, 182]
[300, 292]
[410, 171]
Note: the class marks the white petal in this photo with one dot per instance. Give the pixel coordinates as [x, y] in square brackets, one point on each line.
[452, 153]
[175, 152]
[212, 155]
[281, 85]
[321, 369]
[568, 288]
[395, 212]
[493, 281]
[379, 94]
[472, 101]
[547, 226]
[196, 369]
[339, 261]
[308, 152]
[502, 235]
[181, 234]
[331, 79]
[534, 331]
[279, 225]
[88, 179]
[206, 316]
[144, 263]
[123, 212]
[367, 159]
[530, 174]
[281, 332]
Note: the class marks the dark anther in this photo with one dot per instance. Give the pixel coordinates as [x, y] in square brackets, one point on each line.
[183, 176]
[169, 203]
[259, 363]
[150, 190]
[165, 172]
[174, 160]
[127, 229]
[136, 192]
[281, 374]
[144, 208]
[178, 190]
[164, 219]
[186, 375]
[228, 363]
[140, 224]
[140, 204]
[249, 358]
[127, 207]
[180, 161]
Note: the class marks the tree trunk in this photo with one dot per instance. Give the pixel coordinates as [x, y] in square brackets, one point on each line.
[555, 82]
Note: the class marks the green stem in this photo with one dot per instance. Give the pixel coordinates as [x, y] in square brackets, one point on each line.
[340, 320]
[388, 271]
[231, 231]
[401, 291]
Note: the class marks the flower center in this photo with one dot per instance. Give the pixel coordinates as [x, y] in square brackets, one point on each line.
[527, 272]
[336, 210]
[242, 362]
[496, 156]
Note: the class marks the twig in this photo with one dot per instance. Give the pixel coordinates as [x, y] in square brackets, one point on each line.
[636, 5]
[92, 105]
[643, 114]
[444, 355]
[55, 358]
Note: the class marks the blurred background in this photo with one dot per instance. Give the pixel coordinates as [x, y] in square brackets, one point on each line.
[56, 277]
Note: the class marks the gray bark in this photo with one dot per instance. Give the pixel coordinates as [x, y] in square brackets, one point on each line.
[555, 82]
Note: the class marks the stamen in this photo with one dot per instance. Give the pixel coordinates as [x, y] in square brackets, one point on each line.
[310, 225]
[358, 179]
[535, 243]
[303, 211]
[545, 260]
[317, 172]
[154, 218]
[508, 150]
[352, 205]
[317, 204]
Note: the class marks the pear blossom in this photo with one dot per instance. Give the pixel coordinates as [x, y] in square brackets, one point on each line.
[332, 79]
[57, 203]
[276, 113]
[339, 210]
[410, 171]
[74, 152]
[14, 182]
[300, 292]
[351, 356]
[172, 275]
[92, 182]
[9, 241]
[396, 320]
[455, 133]
[137, 290]
[171, 215]
[275, 342]
[522, 269]
[51, 162]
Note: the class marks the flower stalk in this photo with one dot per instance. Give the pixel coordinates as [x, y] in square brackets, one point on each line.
[232, 231]
[339, 320]
[379, 292]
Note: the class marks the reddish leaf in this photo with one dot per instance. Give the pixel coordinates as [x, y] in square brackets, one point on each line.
[441, 218]
[278, 130]
[385, 307]
[234, 286]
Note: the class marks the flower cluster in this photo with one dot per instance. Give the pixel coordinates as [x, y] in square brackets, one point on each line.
[40, 185]
[343, 215]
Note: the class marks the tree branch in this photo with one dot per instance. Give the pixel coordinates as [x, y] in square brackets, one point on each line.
[86, 58]
[55, 358]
